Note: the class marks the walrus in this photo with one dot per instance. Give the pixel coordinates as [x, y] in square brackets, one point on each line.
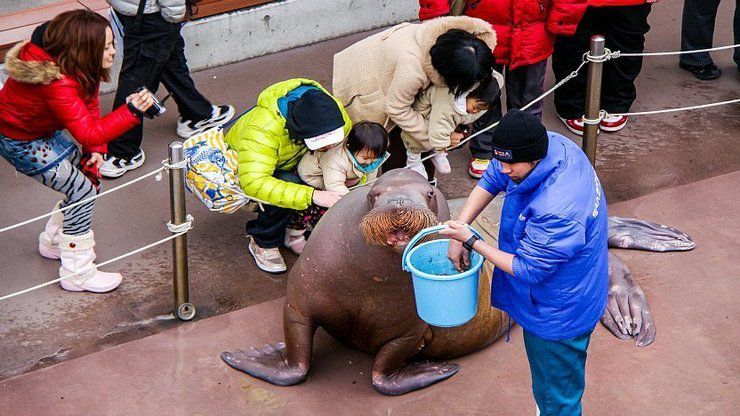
[349, 281]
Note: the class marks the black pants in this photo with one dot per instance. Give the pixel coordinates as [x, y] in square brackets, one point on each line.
[523, 85]
[697, 30]
[624, 28]
[152, 54]
[268, 230]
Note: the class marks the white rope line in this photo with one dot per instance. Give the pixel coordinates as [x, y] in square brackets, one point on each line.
[84, 201]
[123, 256]
[671, 110]
[181, 228]
[719, 48]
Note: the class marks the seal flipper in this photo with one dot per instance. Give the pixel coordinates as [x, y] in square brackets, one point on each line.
[644, 235]
[279, 364]
[627, 314]
[393, 376]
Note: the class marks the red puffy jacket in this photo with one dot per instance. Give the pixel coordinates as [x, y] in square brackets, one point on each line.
[38, 99]
[525, 29]
[605, 3]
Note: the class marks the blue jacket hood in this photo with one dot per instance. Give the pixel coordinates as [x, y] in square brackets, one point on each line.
[555, 223]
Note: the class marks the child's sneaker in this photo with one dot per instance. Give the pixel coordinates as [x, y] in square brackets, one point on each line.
[441, 163]
[413, 162]
[478, 167]
[219, 115]
[267, 259]
[295, 240]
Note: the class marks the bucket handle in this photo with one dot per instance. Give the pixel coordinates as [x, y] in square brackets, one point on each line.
[425, 232]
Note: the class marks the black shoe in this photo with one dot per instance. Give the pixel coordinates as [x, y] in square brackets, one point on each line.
[703, 72]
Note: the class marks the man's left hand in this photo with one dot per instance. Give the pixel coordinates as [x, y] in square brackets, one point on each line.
[457, 230]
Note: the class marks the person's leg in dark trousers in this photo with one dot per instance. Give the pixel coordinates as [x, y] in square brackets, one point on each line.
[626, 27]
[570, 98]
[481, 145]
[558, 373]
[176, 78]
[268, 230]
[524, 85]
[145, 53]
[697, 30]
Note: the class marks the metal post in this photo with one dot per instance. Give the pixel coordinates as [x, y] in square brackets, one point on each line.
[593, 98]
[183, 308]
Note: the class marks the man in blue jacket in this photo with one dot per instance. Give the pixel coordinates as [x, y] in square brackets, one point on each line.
[551, 271]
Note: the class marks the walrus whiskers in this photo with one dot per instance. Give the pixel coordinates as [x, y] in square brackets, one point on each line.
[378, 224]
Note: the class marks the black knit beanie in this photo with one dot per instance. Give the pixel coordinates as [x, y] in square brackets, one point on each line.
[519, 137]
[313, 114]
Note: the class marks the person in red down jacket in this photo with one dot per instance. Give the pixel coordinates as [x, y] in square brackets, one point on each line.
[624, 24]
[525, 32]
[53, 85]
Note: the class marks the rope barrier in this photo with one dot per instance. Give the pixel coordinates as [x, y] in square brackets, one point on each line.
[719, 48]
[672, 110]
[84, 201]
[123, 256]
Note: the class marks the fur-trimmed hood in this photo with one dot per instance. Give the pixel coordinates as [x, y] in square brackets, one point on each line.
[433, 29]
[29, 64]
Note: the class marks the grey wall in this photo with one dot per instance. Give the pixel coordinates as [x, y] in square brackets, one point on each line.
[273, 27]
[9, 6]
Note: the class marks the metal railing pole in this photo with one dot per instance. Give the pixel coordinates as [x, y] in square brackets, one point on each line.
[593, 98]
[183, 308]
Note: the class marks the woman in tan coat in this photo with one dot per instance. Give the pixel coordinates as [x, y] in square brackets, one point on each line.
[379, 77]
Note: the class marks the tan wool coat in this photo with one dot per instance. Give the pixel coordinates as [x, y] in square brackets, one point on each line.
[437, 106]
[332, 170]
[379, 77]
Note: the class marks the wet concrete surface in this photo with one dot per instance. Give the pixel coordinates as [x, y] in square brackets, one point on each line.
[690, 369]
[50, 326]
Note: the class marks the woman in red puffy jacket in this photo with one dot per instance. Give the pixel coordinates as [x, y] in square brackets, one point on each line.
[53, 85]
[624, 24]
[525, 32]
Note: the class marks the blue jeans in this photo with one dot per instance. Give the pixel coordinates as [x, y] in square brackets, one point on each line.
[558, 373]
[35, 157]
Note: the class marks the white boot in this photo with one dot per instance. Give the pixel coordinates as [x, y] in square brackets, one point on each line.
[49, 238]
[78, 256]
[413, 162]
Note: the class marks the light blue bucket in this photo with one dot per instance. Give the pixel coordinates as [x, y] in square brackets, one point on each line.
[444, 296]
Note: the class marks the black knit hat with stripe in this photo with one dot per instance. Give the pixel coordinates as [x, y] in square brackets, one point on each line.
[519, 137]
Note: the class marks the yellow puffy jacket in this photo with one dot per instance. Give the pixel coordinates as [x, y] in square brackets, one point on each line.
[263, 146]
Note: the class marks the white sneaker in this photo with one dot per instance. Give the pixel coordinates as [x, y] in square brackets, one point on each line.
[441, 163]
[219, 115]
[267, 259]
[114, 167]
[77, 256]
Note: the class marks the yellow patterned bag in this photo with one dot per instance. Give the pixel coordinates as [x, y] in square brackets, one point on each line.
[211, 175]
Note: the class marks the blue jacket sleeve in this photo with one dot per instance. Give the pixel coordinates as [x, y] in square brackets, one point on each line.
[493, 180]
[549, 241]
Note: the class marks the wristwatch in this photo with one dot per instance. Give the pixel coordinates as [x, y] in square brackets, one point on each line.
[468, 245]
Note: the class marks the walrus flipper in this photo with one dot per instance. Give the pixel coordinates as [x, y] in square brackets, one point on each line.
[627, 314]
[394, 375]
[644, 235]
[278, 364]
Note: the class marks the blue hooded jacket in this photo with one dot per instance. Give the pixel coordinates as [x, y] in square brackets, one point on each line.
[555, 224]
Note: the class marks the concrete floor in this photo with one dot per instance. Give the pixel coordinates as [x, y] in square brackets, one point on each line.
[49, 326]
[692, 368]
